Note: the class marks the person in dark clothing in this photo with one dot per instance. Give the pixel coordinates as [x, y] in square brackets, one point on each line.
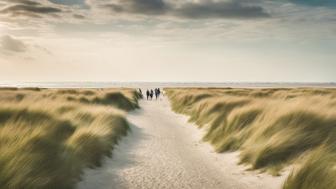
[151, 94]
[147, 93]
[156, 93]
[159, 92]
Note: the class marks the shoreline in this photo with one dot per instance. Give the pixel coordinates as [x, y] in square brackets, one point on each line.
[76, 85]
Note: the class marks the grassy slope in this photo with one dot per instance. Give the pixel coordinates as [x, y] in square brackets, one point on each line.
[271, 127]
[48, 136]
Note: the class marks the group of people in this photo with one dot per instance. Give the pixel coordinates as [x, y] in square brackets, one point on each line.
[151, 93]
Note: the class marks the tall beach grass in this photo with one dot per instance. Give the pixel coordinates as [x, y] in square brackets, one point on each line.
[48, 136]
[272, 129]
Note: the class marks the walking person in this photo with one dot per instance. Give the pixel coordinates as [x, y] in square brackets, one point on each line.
[147, 93]
[159, 92]
[151, 94]
[156, 93]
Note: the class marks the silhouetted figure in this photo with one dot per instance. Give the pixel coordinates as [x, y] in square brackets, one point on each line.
[151, 94]
[147, 93]
[156, 93]
[159, 92]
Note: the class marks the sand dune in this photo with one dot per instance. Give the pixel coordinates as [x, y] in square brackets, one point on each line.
[48, 136]
[273, 129]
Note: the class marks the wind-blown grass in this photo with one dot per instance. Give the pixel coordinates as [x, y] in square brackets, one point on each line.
[46, 140]
[272, 128]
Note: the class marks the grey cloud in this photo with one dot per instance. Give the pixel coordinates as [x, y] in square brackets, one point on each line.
[212, 9]
[202, 9]
[24, 2]
[78, 16]
[11, 44]
[196, 10]
[31, 9]
[149, 7]
[28, 8]
[68, 2]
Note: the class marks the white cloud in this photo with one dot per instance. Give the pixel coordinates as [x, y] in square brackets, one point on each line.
[8, 43]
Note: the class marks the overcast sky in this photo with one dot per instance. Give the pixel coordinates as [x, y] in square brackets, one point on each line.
[168, 40]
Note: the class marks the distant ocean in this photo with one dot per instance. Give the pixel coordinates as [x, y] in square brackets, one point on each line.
[164, 84]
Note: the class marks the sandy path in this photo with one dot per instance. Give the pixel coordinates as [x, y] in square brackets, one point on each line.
[164, 151]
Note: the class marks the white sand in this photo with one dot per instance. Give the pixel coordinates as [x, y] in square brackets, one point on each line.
[164, 151]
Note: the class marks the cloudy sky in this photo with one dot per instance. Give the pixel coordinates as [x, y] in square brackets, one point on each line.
[168, 40]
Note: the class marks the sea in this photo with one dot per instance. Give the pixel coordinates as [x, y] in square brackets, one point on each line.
[167, 85]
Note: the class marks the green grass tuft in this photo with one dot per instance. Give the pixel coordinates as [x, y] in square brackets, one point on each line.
[46, 141]
[272, 128]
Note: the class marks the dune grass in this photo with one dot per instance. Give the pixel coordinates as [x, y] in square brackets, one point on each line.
[272, 129]
[48, 136]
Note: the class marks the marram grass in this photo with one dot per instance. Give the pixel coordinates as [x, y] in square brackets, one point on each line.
[48, 136]
[272, 128]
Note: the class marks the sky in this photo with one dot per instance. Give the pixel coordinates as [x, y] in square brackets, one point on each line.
[168, 40]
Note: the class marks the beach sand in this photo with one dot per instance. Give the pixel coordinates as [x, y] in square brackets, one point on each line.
[165, 151]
